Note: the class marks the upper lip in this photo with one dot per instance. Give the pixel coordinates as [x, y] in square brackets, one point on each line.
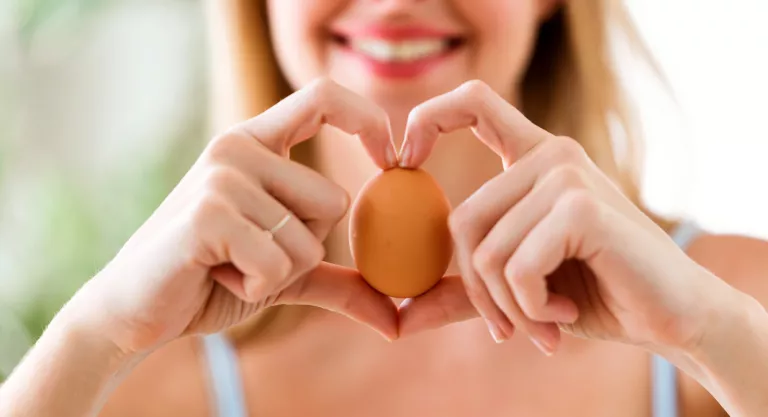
[395, 33]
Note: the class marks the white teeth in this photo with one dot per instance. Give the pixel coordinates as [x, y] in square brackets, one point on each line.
[398, 51]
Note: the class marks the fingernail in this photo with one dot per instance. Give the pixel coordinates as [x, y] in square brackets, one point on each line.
[405, 156]
[543, 347]
[496, 333]
[391, 157]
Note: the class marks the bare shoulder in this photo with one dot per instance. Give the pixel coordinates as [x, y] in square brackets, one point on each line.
[170, 381]
[743, 263]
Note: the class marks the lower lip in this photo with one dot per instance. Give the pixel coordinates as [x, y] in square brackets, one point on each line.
[406, 69]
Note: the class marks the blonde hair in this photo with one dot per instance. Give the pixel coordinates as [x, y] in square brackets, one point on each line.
[570, 87]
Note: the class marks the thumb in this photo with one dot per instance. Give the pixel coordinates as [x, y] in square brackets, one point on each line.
[344, 291]
[444, 304]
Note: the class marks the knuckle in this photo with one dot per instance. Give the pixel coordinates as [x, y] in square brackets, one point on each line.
[322, 89]
[460, 222]
[515, 271]
[580, 206]
[220, 178]
[224, 147]
[209, 207]
[475, 89]
[419, 114]
[486, 261]
[568, 151]
[566, 177]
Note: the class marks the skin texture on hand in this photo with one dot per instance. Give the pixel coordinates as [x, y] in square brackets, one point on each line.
[205, 260]
[535, 243]
[549, 245]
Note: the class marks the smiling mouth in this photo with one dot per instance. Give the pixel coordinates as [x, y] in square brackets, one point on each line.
[401, 50]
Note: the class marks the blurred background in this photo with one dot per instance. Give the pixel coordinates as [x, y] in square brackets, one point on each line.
[103, 107]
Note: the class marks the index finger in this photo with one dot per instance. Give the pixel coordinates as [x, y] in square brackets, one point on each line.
[498, 124]
[300, 116]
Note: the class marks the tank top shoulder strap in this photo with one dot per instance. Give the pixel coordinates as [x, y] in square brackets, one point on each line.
[685, 233]
[224, 377]
[664, 389]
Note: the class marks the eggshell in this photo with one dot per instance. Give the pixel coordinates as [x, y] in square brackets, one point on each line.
[399, 232]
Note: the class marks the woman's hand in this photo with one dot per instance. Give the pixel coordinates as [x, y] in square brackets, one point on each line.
[206, 259]
[551, 244]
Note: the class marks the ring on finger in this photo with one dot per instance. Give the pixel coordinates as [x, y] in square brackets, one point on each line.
[279, 225]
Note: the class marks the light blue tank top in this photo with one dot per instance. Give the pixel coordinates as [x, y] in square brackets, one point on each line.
[229, 399]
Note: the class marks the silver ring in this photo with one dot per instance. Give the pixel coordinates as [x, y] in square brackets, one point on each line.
[279, 225]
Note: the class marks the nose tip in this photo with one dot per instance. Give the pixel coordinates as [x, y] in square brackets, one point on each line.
[397, 8]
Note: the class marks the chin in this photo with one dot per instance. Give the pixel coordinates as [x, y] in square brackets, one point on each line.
[402, 94]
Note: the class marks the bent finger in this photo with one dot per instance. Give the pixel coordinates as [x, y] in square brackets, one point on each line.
[561, 235]
[497, 124]
[301, 115]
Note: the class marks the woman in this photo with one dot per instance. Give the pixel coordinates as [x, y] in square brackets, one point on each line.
[244, 231]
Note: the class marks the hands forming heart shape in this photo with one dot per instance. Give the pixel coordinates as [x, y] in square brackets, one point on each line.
[549, 245]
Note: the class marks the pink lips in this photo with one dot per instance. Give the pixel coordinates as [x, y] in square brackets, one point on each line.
[397, 69]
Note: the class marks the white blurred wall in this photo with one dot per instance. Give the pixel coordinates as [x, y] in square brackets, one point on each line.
[709, 158]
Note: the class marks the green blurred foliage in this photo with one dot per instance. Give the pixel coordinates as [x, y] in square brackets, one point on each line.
[82, 226]
[80, 237]
[35, 14]
[83, 231]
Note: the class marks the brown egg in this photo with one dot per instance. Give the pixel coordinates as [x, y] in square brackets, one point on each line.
[399, 233]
